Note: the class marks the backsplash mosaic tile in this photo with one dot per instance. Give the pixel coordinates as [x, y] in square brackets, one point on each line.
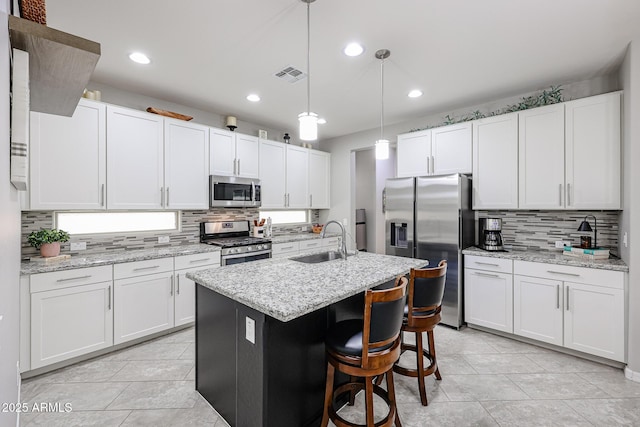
[189, 233]
[538, 230]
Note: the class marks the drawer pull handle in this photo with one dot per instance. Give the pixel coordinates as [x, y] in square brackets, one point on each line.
[73, 278]
[146, 268]
[561, 272]
[567, 298]
[171, 291]
[193, 261]
[178, 286]
[485, 274]
[487, 263]
[109, 296]
[558, 297]
[287, 247]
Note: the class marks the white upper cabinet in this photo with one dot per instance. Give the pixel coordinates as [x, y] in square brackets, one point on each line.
[451, 149]
[319, 179]
[273, 185]
[68, 159]
[438, 151]
[593, 152]
[186, 165]
[297, 177]
[495, 162]
[233, 154]
[413, 154]
[541, 152]
[135, 160]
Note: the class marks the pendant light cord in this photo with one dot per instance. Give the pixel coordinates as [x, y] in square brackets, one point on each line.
[382, 99]
[308, 58]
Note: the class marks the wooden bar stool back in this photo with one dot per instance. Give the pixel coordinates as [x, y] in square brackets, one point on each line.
[422, 314]
[366, 348]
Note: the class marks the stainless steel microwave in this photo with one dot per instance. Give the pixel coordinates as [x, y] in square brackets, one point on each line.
[233, 191]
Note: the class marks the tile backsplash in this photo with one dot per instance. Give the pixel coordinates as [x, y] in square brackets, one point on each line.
[189, 231]
[540, 229]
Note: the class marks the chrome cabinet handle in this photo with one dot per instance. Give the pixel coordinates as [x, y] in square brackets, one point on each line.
[102, 195]
[477, 273]
[487, 263]
[171, 291]
[560, 195]
[568, 194]
[285, 199]
[567, 298]
[433, 165]
[287, 247]
[193, 261]
[234, 166]
[558, 296]
[167, 197]
[73, 278]
[238, 166]
[310, 200]
[560, 272]
[146, 268]
[161, 196]
[428, 165]
[178, 286]
[109, 298]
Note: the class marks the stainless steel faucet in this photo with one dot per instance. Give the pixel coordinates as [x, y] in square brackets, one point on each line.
[343, 244]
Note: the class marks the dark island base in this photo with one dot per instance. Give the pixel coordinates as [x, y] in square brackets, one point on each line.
[278, 381]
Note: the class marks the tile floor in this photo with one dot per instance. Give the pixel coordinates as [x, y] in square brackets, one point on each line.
[487, 381]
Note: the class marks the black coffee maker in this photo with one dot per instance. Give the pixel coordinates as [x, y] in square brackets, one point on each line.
[490, 234]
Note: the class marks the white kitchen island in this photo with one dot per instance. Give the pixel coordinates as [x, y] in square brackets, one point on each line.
[260, 330]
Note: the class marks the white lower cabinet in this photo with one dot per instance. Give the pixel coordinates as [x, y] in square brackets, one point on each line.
[489, 299]
[71, 314]
[185, 288]
[578, 308]
[143, 298]
[284, 250]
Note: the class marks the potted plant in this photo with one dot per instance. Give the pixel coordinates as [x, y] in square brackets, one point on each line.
[48, 241]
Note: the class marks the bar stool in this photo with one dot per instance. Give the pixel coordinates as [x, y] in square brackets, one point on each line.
[422, 314]
[366, 348]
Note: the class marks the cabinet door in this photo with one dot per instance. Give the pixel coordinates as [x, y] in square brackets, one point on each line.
[185, 295]
[538, 309]
[68, 159]
[593, 152]
[451, 148]
[186, 169]
[541, 152]
[222, 152]
[594, 320]
[69, 322]
[135, 159]
[319, 179]
[273, 187]
[489, 299]
[297, 177]
[247, 155]
[413, 154]
[495, 162]
[143, 305]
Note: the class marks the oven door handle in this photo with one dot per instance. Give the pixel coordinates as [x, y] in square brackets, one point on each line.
[246, 254]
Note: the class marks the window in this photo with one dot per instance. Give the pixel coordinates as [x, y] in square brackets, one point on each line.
[116, 222]
[286, 217]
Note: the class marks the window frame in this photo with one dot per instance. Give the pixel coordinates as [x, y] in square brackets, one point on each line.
[177, 215]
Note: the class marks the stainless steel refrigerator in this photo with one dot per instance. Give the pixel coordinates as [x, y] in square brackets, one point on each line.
[431, 218]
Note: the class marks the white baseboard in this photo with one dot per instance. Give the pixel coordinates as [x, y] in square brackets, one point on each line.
[631, 375]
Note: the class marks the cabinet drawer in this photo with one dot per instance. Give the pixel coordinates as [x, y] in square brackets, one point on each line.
[592, 276]
[141, 268]
[331, 242]
[197, 260]
[68, 278]
[312, 244]
[283, 248]
[488, 263]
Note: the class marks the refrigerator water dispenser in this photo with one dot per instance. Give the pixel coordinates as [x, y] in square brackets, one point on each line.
[399, 235]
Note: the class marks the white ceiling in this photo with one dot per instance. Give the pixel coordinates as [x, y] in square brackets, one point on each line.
[210, 54]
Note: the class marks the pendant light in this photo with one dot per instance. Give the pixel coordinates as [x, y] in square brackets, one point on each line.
[308, 120]
[382, 145]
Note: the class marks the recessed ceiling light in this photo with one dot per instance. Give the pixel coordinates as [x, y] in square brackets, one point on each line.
[140, 58]
[415, 93]
[322, 121]
[253, 97]
[353, 49]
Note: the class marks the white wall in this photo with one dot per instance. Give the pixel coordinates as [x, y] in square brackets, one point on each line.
[630, 80]
[9, 241]
[366, 191]
[384, 169]
[341, 148]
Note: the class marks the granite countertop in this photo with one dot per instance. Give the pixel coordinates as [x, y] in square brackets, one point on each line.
[551, 257]
[285, 289]
[286, 238]
[106, 258]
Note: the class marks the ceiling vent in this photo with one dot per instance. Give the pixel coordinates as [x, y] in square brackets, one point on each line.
[290, 74]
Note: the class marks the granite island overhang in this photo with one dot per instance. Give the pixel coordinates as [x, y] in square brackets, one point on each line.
[272, 372]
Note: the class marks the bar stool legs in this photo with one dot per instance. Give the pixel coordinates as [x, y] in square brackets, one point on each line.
[421, 371]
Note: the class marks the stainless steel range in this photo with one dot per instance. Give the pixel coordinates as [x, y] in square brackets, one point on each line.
[235, 240]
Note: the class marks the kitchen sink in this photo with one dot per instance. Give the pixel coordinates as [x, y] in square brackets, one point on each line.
[319, 257]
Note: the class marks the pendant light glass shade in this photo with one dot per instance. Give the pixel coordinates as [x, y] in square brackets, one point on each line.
[382, 144]
[382, 149]
[308, 126]
[308, 121]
